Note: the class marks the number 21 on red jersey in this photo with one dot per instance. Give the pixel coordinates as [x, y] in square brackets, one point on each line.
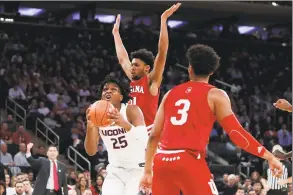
[133, 101]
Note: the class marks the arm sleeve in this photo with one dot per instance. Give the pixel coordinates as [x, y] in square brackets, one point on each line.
[241, 137]
[35, 163]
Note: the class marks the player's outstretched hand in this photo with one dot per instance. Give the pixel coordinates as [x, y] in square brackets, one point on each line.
[117, 118]
[170, 11]
[146, 183]
[116, 25]
[276, 167]
[283, 104]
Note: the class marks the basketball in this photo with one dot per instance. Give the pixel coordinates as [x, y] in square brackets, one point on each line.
[98, 113]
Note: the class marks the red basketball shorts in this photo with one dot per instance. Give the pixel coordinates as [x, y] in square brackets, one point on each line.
[180, 170]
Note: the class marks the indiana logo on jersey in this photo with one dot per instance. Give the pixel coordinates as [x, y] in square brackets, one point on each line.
[136, 89]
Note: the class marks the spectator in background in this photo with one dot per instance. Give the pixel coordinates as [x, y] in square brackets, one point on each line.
[247, 185]
[257, 187]
[102, 156]
[31, 178]
[19, 188]
[20, 159]
[5, 157]
[10, 123]
[53, 96]
[96, 188]
[17, 59]
[231, 187]
[41, 152]
[43, 110]
[72, 178]
[50, 121]
[20, 177]
[9, 187]
[81, 186]
[20, 136]
[16, 93]
[2, 188]
[27, 187]
[252, 192]
[240, 191]
[285, 138]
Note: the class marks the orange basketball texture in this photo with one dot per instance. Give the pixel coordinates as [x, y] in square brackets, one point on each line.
[98, 113]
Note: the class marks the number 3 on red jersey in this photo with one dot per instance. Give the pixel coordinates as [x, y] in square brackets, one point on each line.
[182, 112]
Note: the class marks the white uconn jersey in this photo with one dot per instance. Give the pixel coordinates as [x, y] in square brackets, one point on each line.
[125, 149]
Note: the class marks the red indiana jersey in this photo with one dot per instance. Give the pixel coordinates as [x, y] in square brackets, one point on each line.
[144, 99]
[188, 119]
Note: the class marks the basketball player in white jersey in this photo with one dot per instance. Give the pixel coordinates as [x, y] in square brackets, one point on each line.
[125, 140]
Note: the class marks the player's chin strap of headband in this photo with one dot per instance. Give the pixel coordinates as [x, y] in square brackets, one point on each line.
[241, 137]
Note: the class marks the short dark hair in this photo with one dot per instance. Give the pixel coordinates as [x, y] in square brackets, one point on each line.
[52, 146]
[26, 180]
[124, 88]
[17, 182]
[203, 59]
[144, 55]
[20, 173]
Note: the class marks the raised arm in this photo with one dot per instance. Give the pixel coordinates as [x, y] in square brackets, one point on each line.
[121, 52]
[156, 75]
[152, 145]
[224, 114]
[35, 163]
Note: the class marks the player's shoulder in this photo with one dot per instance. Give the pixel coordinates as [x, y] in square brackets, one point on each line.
[132, 108]
[216, 92]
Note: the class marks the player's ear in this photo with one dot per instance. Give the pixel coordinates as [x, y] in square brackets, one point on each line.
[121, 97]
[147, 68]
[189, 69]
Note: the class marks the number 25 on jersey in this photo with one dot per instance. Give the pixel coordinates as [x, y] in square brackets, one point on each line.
[182, 112]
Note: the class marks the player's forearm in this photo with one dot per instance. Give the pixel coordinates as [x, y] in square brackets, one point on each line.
[290, 108]
[150, 152]
[164, 38]
[121, 52]
[91, 140]
[242, 138]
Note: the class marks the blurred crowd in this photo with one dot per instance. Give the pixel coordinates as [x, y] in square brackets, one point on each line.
[54, 74]
[79, 183]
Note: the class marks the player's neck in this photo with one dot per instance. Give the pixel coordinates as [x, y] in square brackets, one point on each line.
[118, 106]
[200, 79]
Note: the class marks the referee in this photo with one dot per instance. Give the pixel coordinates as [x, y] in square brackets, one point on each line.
[273, 182]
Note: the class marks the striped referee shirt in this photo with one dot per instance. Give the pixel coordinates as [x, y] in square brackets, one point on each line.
[273, 181]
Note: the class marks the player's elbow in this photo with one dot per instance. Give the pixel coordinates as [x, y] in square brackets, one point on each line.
[91, 151]
[154, 137]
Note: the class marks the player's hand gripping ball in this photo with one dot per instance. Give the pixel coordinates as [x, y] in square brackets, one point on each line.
[97, 113]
